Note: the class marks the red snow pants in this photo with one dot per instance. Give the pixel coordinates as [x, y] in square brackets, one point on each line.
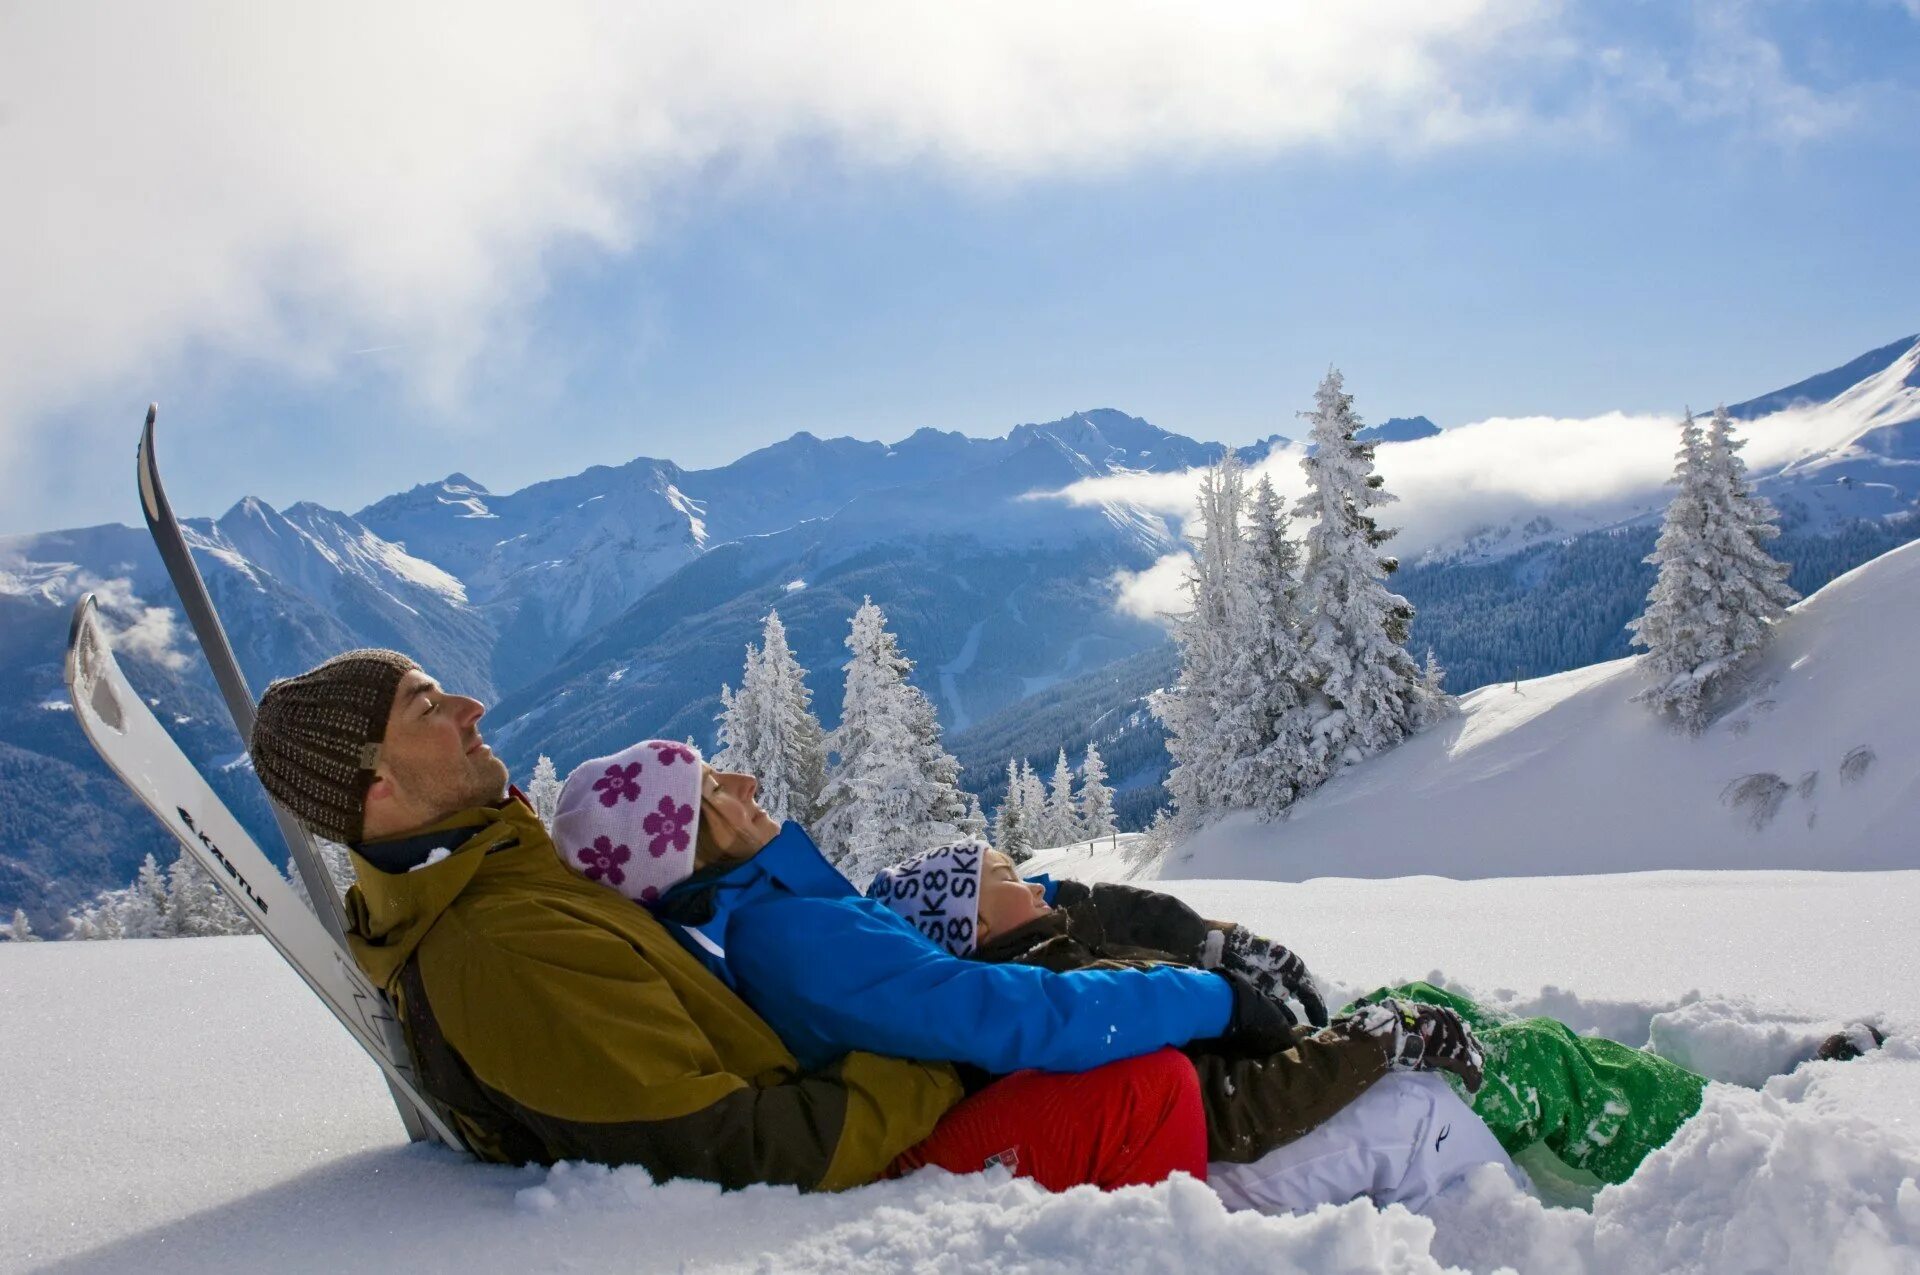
[1122, 1124]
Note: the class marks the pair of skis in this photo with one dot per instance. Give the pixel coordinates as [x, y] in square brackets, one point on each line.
[131, 740]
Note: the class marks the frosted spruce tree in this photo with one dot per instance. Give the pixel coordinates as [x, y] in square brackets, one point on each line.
[1354, 641]
[1718, 592]
[543, 790]
[1012, 834]
[339, 870]
[180, 902]
[20, 929]
[769, 731]
[1265, 730]
[1033, 800]
[1096, 799]
[891, 790]
[1063, 817]
[1191, 708]
[196, 907]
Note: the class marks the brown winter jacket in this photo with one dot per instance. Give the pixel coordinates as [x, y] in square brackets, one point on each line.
[1253, 1103]
[558, 1020]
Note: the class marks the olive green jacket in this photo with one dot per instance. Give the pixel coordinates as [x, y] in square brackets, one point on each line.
[555, 1019]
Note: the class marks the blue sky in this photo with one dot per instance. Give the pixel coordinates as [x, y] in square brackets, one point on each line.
[553, 255]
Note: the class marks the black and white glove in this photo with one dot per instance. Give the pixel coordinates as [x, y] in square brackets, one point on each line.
[1422, 1037]
[1272, 968]
[1258, 1024]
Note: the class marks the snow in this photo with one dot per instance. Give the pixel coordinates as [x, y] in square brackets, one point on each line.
[1565, 774]
[252, 1135]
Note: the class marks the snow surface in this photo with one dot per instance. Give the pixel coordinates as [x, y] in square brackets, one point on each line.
[1566, 774]
[187, 1105]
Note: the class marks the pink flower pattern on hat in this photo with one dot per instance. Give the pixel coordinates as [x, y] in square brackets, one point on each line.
[668, 827]
[666, 752]
[618, 784]
[603, 858]
[602, 821]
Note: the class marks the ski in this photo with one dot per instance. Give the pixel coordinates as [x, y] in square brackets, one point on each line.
[198, 604]
[123, 729]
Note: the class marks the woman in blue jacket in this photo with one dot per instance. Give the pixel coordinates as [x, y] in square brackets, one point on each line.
[831, 971]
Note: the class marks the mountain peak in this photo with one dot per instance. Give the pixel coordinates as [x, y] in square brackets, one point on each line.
[1826, 385]
[1398, 429]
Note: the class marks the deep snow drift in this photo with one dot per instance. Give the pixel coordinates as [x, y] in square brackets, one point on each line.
[1811, 766]
[187, 1105]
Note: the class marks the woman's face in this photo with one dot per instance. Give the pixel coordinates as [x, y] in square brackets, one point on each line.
[732, 825]
[1007, 902]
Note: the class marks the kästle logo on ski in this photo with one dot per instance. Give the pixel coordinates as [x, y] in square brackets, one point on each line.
[225, 862]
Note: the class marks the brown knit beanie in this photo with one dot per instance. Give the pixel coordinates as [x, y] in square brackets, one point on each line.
[316, 738]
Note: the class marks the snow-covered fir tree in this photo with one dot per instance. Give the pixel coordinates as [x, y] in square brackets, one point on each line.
[339, 870]
[1264, 732]
[1191, 708]
[1095, 815]
[730, 723]
[1718, 592]
[543, 790]
[180, 902]
[20, 929]
[1033, 801]
[1370, 692]
[973, 820]
[891, 791]
[769, 731]
[1062, 817]
[1012, 834]
[1433, 676]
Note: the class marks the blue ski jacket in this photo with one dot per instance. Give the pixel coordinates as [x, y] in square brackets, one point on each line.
[832, 971]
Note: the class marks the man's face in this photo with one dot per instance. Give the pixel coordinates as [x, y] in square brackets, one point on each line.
[432, 761]
[1007, 902]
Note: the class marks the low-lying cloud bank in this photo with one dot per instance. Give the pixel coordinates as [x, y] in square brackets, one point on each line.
[1580, 474]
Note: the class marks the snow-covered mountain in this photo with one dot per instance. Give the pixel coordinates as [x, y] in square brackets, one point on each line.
[1811, 765]
[618, 599]
[1861, 426]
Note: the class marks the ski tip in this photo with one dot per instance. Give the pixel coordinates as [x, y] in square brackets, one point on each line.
[153, 410]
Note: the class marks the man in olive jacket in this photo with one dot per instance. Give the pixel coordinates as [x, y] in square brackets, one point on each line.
[551, 1016]
[554, 1019]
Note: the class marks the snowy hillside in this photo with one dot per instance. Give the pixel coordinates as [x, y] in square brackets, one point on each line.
[1813, 765]
[187, 1106]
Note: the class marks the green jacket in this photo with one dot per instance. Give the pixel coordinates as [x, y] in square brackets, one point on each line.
[1253, 1103]
[558, 1020]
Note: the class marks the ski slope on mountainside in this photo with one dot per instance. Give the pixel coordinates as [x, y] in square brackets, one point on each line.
[1814, 764]
[185, 1105]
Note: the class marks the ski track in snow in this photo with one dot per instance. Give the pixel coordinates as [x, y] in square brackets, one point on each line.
[186, 1105]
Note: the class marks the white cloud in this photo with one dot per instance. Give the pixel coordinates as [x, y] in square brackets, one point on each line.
[132, 625]
[301, 184]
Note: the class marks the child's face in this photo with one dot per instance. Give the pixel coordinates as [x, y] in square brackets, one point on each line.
[1007, 902]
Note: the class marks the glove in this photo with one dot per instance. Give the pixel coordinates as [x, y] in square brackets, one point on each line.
[1422, 1037]
[1259, 1024]
[1274, 969]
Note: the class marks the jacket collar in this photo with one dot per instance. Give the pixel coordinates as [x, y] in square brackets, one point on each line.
[391, 908]
[789, 864]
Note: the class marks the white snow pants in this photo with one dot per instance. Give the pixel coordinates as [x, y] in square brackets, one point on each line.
[1400, 1142]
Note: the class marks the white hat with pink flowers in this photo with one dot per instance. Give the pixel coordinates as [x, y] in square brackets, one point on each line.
[630, 821]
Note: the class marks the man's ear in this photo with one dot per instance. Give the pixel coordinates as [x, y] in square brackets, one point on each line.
[381, 789]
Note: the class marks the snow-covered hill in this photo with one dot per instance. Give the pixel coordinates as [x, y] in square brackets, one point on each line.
[1815, 764]
[188, 1106]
